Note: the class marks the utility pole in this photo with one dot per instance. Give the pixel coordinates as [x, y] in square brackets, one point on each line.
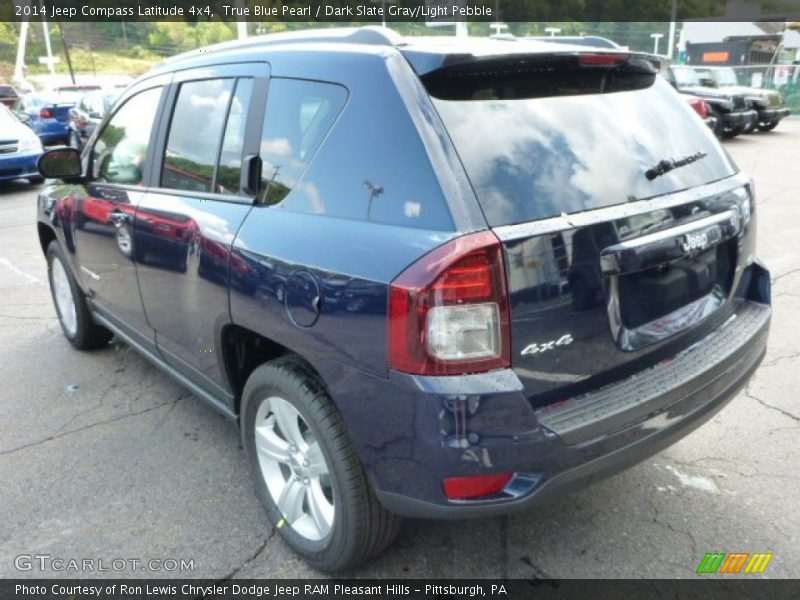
[89, 46]
[241, 24]
[498, 27]
[66, 53]
[656, 37]
[50, 62]
[672, 16]
[19, 65]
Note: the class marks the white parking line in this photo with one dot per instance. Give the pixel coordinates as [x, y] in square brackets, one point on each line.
[28, 278]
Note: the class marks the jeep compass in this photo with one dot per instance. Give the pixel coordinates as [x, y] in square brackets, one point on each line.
[433, 277]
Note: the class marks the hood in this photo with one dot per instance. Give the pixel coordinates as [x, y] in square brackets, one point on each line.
[721, 98]
[13, 129]
[772, 97]
[706, 92]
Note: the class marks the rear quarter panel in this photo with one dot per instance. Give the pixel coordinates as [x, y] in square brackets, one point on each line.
[326, 225]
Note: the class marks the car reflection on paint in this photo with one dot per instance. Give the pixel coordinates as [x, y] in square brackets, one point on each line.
[171, 236]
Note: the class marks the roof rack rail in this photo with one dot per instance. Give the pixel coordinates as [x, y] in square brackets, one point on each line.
[370, 35]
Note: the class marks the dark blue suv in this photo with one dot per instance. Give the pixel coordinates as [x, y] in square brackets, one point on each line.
[428, 277]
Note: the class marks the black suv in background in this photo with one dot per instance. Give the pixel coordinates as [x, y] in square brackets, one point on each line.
[769, 104]
[731, 109]
[427, 277]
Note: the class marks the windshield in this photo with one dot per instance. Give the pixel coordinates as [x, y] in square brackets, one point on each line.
[535, 158]
[7, 118]
[725, 77]
[685, 76]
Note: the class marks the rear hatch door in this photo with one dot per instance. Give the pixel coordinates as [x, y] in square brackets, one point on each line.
[61, 111]
[614, 204]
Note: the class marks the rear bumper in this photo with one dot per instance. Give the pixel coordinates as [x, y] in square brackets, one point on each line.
[586, 462]
[50, 131]
[412, 432]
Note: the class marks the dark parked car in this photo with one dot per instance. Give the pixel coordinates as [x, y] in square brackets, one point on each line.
[47, 116]
[768, 104]
[464, 276]
[20, 149]
[8, 95]
[731, 109]
[87, 115]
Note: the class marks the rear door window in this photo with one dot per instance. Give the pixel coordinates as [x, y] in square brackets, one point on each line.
[230, 158]
[299, 115]
[569, 145]
[194, 134]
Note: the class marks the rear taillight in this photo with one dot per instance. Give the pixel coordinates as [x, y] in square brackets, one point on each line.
[475, 486]
[46, 113]
[448, 312]
[700, 107]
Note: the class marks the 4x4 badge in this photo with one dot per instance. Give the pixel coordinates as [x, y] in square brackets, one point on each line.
[564, 340]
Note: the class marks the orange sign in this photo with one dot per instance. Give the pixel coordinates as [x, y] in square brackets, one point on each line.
[715, 57]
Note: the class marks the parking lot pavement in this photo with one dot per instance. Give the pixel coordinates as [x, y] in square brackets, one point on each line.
[104, 457]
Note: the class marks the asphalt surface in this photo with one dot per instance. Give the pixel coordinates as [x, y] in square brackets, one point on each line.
[104, 457]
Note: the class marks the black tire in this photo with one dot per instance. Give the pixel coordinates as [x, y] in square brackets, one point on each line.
[36, 180]
[732, 133]
[87, 334]
[719, 126]
[750, 127]
[768, 126]
[361, 527]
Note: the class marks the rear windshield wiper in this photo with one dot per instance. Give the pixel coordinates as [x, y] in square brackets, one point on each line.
[665, 166]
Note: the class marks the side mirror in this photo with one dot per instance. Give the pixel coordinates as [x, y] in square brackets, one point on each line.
[60, 163]
[23, 117]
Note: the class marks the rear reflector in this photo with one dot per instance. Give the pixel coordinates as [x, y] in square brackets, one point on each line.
[475, 486]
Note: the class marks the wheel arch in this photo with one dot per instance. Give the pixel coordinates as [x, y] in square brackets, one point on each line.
[244, 350]
[46, 235]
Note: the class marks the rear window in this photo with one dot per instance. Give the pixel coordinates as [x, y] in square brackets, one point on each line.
[7, 92]
[685, 76]
[299, 116]
[574, 145]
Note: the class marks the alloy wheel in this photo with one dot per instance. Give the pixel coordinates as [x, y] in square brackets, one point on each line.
[65, 302]
[294, 469]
